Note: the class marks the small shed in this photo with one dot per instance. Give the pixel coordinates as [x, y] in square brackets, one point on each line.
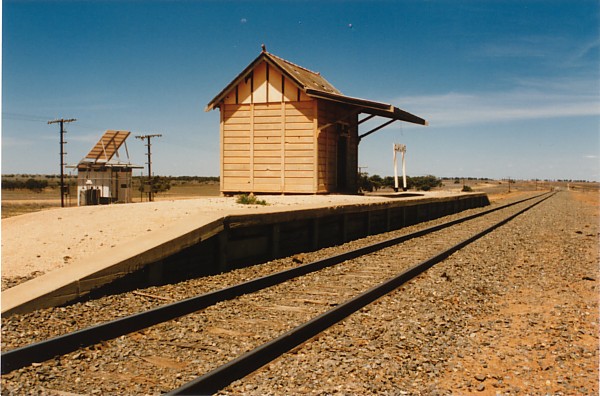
[103, 179]
[285, 129]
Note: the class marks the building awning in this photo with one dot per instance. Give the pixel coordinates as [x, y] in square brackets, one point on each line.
[370, 107]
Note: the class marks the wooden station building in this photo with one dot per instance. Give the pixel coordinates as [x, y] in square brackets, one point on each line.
[285, 129]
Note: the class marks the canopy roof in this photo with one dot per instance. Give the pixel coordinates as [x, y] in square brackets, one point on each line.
[316, 86]
[107, 146]
[103, 152]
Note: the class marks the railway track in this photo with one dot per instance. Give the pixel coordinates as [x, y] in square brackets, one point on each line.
[304, 295]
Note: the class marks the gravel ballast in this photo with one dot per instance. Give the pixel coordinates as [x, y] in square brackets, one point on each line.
[515, 312]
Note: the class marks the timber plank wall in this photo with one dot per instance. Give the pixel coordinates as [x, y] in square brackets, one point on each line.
[268, 147]
[276, 139]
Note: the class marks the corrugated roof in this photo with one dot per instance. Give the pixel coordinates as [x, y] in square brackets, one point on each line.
[305, 78]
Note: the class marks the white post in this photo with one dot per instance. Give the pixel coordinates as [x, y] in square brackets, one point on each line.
[402, 149]
[395, 170]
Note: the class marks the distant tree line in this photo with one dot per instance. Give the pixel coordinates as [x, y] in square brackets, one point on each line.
[158, 184]
[468, 178]
[36, 185]
[186, 179]
[200, 179]
[376, 182]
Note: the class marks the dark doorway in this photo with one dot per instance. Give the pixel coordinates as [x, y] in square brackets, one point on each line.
[342, 159]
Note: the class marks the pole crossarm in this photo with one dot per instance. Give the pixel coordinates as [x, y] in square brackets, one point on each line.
[62, 120]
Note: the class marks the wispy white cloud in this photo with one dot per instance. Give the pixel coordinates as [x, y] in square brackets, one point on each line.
[520, 47]
[532, 99]
[550, 51]
[583, 50]
[12, 142]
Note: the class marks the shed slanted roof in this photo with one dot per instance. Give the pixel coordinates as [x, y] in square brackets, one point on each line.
[316, 86]
[107, 147]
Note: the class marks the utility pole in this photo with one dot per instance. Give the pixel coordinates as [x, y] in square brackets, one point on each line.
[62, 122]
[149, 154]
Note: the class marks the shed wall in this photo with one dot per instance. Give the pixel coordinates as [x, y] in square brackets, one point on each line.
[270, 141]
[113, 183]
[268, 147]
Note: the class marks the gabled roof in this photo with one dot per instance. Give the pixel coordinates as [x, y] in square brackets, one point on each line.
[316, 86]
[302, 77]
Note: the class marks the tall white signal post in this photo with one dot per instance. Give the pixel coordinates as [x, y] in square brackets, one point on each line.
[402, 149]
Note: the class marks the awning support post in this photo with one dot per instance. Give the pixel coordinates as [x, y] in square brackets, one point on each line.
[376, 129]
[366, 119]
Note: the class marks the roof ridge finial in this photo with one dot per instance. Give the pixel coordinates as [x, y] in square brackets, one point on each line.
[264, 48]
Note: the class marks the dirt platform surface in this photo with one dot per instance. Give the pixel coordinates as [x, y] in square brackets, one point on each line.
[36, 243]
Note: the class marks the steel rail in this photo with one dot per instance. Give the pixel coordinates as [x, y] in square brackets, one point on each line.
[61, 345]
[251, 361]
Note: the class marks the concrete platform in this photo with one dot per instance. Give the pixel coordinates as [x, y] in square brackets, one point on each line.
[223, 236]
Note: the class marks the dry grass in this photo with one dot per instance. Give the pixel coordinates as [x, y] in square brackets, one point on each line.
[186, 191]
[18, 202]
[15, 209]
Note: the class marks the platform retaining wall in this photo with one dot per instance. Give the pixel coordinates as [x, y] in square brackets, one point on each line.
[255, 238]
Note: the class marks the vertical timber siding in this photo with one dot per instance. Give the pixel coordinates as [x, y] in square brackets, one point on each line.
[236, 148]
[267, 145]
[270, 141]
[299, 147]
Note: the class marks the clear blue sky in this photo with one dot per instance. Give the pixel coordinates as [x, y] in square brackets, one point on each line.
[510, 88]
